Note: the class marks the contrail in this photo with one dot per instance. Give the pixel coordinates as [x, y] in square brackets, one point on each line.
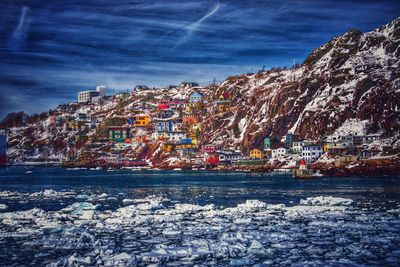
[192, 27]
[195, 25]
[19, 33]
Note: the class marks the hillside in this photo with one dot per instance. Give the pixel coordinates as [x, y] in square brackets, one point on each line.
[354, 77]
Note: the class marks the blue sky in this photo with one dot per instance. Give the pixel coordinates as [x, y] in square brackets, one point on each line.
[50, 50]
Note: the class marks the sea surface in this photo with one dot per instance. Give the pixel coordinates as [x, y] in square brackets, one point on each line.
[59, 217]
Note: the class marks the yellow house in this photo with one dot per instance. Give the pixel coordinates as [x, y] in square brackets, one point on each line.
[167, 147]
[256, 154]
[142, 120]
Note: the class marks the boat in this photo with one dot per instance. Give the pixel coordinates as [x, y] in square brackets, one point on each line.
[305, 173]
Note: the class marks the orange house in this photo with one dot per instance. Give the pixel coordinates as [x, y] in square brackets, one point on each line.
[190, 119]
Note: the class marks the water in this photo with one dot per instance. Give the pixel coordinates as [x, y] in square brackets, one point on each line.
[56, 217]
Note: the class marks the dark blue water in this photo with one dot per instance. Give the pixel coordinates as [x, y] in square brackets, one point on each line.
[201, 187]
[91, 212]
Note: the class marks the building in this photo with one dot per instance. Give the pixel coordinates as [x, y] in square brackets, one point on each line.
[267, 143]
[163, 104]
[189, 119]
[227, 156]
[369, 138]
[311, 153]
[279, 152]
[297, 146]
[341, 161]
[224, 102]
[177, 136]
[288, 139]
[256, 154]
[195, 97]
[167, 125]
[141, 120]
[118, 133]
[121, 96]
[86, 96]
[211, 159]
[336, 148]
[3, 147]
[188, 84]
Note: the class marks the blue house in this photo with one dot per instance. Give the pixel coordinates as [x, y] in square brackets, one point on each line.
[195, 97]
[164, 126]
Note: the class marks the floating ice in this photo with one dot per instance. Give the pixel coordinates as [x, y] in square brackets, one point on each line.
[322, 230]
[326, 201]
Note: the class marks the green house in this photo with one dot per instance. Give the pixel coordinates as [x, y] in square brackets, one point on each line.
[267, 143]
[118, 134]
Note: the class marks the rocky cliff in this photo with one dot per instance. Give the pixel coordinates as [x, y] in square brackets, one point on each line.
[355, 75]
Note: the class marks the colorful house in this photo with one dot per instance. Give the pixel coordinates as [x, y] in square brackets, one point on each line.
[165, 113]
[163, 104]
[141, 120]
[118, 133]
[195, 97]
[189, 119]
[256, 154]
[267, 143]
[224, 102]
[211, 159]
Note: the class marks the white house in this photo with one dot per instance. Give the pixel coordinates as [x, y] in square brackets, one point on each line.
[177, 136]
[311, 152]
[297, 146]
[279, 152]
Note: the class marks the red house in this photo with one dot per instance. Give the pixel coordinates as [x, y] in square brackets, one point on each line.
[163, 104]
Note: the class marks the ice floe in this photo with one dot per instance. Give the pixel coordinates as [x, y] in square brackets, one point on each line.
[320, 230]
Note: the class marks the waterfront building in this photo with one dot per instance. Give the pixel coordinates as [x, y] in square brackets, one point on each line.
[311, 153]
[227, 156]
[279, 152]
[256, 154]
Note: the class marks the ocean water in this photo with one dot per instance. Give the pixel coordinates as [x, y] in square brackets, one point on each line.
[58, 217]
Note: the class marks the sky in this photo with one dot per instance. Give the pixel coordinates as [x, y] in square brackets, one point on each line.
[50, 50]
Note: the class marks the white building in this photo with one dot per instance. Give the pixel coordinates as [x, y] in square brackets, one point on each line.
[87, 96]
[175, 137]
[311, 153]
[297, 146]
[227, 156]
[279, 152]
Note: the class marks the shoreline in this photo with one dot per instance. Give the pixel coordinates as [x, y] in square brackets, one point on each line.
[370, 167]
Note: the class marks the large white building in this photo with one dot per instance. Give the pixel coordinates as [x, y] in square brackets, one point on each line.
[311, 153]
[86, 96]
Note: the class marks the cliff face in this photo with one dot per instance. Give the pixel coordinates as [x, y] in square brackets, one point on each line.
[356, 75]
